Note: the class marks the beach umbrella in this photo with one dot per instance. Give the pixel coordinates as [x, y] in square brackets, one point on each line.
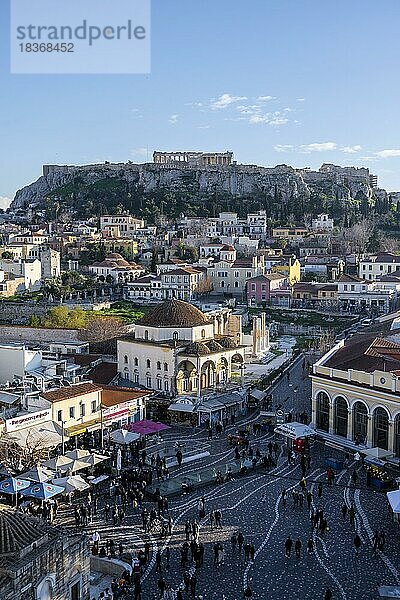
[73, 483]
[77, 454]
[57, 463]
[38, 474]
[42, 491]
[94, 459]
[123, 436]
[12, 485]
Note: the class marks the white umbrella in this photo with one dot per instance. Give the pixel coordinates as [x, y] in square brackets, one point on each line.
[74, 483]
[123, 436]
[94, 459]
[38, 474]
[394, 500]
[77, 454]
[74, 465]
[57, 463]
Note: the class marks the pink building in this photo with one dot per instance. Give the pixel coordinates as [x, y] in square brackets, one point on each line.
[266, 288]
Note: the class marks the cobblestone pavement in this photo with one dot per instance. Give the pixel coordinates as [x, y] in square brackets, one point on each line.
[253, 505]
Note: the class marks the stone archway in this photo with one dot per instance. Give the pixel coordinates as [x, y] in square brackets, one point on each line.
[186, 377]
[207, 374]
[322, 411]
[341, 416]
[222, 371]
[360, 422]
[380, 428]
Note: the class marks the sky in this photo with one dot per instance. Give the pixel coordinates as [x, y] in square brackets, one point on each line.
[299, 82]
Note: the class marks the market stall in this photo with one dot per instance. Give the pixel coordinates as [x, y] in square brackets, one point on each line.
[297, 435]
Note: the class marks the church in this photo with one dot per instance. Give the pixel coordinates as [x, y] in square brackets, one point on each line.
[177, 349]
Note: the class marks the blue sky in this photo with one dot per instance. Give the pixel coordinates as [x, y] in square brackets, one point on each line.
[300, 82]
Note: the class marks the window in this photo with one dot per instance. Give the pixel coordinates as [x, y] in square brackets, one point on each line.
[148, 363]
[148, 382]
[249, 273]
[345, 288]
[175, 335]
[203, 334]
[72, 412]
[166, 385]
[136, 362]
[381, 267]
[125, 359]
[59, 415]
[363, 267]
[159, 365]
[83, 410]
[370, 267]
[159, 383]
[222, 283]
[253, 287]
[352, 288]
[146, 335]
[94, 406]
[136, 378]
[165, 367]
[126, 375]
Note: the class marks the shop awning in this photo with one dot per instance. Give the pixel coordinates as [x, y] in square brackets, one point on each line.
[82, 427]
[394, 500]
[181, 407]
[294, 430]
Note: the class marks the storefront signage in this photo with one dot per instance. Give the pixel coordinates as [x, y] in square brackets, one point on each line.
[27, 420]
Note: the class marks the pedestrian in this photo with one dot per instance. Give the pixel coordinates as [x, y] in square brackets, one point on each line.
[161, 586]
[288, 546]
[193, 584]
[212, 519]
[297, 548]
[218, 517]
[328, 594]
[240, 540]
[167, 556]
[354, 477]
[310, 545]
[309, 499]
[283, 497]
[344, 510]
[320, 490]
[233, 542]
[248, 593]
[357, 543]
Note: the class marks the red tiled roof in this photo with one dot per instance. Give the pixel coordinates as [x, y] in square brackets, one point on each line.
[72, 391]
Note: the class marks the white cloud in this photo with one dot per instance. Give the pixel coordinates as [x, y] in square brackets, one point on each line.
[203, 127]
[388, 153]
[300, 99]
[319, 147]
[351, 149]
[173, 119]
[283, 147]
[277, 121]
[4, 202]
[266, 98]
[225, 100]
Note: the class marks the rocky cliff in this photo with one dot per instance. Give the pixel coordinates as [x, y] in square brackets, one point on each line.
[149, 189]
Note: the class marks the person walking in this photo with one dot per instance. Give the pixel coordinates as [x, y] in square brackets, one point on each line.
[283, 497]
[248, 593]
[320, 490]
[328, 594]
[233, 542]
[288, 547]
[344, 510]
[297, 548]
[193, 584]
[309, 500]
[357, 543]
[310, 545]
[218, 517]
[240, 540]
[158, 562]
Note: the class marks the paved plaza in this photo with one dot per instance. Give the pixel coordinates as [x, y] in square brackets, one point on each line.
[252, 504]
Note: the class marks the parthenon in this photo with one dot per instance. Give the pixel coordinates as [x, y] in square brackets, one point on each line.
[194, 158]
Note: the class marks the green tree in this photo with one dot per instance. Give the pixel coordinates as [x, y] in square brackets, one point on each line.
[7, 254]
[61, 317]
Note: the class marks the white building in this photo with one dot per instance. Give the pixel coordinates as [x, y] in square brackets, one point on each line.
[30, 270]
[116, 267]
[51, 263]
[373, 266]
[120, 226]
[322, 223]
[177, 349]
[355, 294]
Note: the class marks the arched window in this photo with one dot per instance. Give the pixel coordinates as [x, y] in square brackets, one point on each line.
[341, 417]
[148, 363]
[322, 411]
[159, 365]
[166, 386]
[165, 366]
[136, 361]
[236, 284]
[360, 422]
[126, 359]
[381, 428]
[175, 335]
[203, 333]
[146, 335]
[159, 382]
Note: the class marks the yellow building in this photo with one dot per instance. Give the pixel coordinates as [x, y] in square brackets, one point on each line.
[288, 266]
[356, 392]
[289, 233]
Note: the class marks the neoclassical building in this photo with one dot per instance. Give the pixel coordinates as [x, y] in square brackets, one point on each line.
[177, 349]
[356, 391]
